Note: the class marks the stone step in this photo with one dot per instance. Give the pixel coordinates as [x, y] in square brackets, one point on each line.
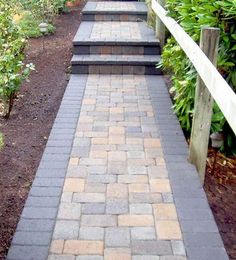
[114, 11]
[115, 38]
[115, 64]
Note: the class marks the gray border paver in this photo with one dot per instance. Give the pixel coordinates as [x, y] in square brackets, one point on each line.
[200, 232]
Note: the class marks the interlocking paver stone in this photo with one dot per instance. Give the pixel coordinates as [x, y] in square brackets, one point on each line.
[93, 208]
[117, 254]
[83, 247]
[99, 220]
[117, 206]
[69, 211]
[143, 233]
[91, 233]
[66, 229]
[140, 208]
[117, 237]
[153, 247]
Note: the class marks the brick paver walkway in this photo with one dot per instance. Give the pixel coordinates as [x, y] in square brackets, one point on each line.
[117, 198]
[114, 182]
[116, 30]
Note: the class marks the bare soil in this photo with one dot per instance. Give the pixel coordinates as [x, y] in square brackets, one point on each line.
[28, 128]
[220, 187]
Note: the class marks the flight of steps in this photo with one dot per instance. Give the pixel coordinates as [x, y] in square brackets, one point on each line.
[114, 38]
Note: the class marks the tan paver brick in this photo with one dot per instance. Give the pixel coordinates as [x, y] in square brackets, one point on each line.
[116, 130]
[116, 110]
[57, 246]
[160, 185]
[168, 230]
[95, 188]
[165, 211]
[116, 139]
[84, 197]
[136, 141]
[152, 142]
[74, 185]
[117, 156]
[133, 179]
[73, 161]
[117, 190]
[141, 162]
[98, 154]
[86, 119]
[93, 161]
[160, 161]
[99, 140]
[83, 247]
[138, 188]
[135, 220]
[117, 254]
[89, 101]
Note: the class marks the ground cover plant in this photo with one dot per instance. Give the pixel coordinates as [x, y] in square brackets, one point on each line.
[12, 69]
[191, 15]
[33, 12]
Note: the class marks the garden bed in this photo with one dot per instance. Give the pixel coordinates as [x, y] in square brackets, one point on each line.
[220, 187]
[34, 111]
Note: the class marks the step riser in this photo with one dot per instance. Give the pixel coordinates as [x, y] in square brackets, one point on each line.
[114, 17]
[115, 69]
[117, 50]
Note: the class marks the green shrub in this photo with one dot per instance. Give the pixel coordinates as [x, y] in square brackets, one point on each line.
[1, 141]
[192, 14]
[30, 26]
[42, 10]
[12, 69]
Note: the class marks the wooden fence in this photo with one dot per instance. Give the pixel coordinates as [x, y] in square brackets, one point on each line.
[211, 85]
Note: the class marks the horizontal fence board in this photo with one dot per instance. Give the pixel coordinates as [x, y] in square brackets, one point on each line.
[218, 87]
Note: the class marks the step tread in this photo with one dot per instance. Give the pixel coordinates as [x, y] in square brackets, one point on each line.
[115, 33]
[118, 7]
[116, 59]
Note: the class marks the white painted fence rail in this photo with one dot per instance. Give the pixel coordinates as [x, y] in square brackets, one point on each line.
[217, 86]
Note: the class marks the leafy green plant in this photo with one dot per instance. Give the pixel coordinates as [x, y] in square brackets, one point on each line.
[30, 26]
[1, 141]
[43, 10]
[192, 15]
[12, 69]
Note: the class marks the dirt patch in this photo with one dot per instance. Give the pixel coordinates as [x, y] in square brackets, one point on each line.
[27, 130]
[220, 187]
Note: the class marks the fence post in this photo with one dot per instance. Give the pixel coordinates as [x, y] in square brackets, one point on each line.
[149, 10]
[160, 27]
[199, 140]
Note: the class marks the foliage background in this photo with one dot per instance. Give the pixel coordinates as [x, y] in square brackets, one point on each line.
[12, 68]
[192, 15]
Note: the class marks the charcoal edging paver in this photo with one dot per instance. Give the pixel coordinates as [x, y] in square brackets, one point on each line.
[34, 230]
[200, 232]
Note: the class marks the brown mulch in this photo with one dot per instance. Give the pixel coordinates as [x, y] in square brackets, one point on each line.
[220, 187]
[34, 111]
